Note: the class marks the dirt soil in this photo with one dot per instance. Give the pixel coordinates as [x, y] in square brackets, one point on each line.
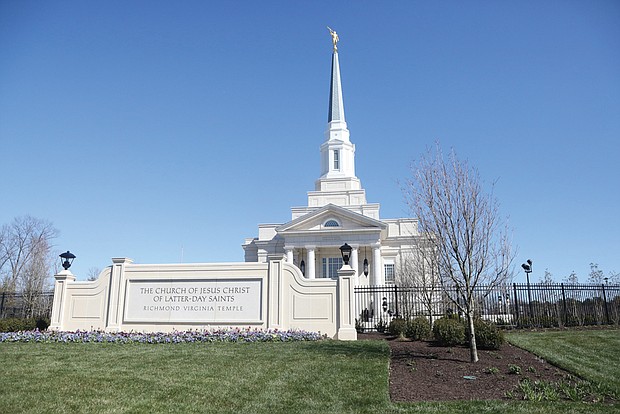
[422, 371]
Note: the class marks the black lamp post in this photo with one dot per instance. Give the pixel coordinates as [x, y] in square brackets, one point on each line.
[66, 259]
[345, 250]
[527, 267]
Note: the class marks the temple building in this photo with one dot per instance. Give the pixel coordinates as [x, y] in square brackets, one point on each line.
[338, 213]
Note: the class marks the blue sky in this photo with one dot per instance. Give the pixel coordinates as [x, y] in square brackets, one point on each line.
[167, 131]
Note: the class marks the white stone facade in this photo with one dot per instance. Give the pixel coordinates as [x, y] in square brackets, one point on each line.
[337, 213]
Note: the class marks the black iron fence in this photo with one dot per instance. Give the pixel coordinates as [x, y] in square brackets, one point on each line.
[515, 305]
[26, 305]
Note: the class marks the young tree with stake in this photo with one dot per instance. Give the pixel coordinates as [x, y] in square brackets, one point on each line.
[463, 224]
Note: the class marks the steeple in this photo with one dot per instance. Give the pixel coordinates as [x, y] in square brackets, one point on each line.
[337, 152]
[337, 183]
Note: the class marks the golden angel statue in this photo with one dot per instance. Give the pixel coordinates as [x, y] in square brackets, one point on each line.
[335, 38]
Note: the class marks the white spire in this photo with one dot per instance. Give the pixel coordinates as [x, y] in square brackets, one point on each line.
[336, 104]
[337, 184]
[337, 152]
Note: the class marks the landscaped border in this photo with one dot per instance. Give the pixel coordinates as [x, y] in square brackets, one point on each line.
[228, 335]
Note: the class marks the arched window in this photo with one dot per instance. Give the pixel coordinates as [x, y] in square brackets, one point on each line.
[331, 223]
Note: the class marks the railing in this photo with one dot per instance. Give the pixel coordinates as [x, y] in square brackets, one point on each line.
[516, 305]
[26, 305]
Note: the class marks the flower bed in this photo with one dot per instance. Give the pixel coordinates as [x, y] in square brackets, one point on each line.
[232, 335]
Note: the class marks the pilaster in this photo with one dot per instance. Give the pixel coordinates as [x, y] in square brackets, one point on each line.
[117, 294]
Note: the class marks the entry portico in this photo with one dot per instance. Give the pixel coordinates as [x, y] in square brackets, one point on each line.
[317, 236]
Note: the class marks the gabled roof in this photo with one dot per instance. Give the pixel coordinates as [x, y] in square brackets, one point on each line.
[350, 221]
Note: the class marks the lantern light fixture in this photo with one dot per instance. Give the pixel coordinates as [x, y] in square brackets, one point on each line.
[345, 250]
[66, 259]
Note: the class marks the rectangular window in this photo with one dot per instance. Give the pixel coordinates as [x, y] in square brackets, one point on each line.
[390, 276]
[336, 160]
[331, 266]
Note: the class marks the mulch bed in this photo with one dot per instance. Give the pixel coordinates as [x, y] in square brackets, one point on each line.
[422, 371]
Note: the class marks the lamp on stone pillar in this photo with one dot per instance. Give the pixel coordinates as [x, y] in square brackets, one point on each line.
[345, 251]
[345, 305]
[302, 267]
[365, 263]
[66, 259]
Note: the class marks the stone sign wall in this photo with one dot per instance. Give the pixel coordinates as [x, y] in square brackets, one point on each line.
[167, 297]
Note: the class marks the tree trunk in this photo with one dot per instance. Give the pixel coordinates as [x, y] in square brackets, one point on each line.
[473, 349]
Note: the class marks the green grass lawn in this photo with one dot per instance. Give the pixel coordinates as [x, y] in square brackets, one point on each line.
[302, 377]
[591, 354]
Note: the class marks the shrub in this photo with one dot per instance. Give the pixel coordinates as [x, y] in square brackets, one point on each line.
[42, 323]
[449, 332]
[418, 329]
[381, 326]
[488, 335]
[397, 327]
[17, 324]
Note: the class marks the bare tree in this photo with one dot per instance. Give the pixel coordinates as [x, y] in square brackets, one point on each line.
[613, 277]
[418, 269]
[462, 223]
[548, 278]
[572, 278]
[93, 274]
[35, 279]
[25, 254]
[596, 275]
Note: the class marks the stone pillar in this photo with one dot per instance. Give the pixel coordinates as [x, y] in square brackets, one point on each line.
[310, 268]
[355, 264]
[275, 312]
[345, 307]
[59, 304]
[377, 274]
[289, 254]
[117, 294]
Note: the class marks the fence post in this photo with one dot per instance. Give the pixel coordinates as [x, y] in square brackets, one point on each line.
[564, 305]
[516, 303]
[606, 308]
[2, 305]
[396, 300]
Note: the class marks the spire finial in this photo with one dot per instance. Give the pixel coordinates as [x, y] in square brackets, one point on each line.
[335, 38]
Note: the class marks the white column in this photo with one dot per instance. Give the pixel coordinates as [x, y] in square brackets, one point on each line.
[289, 254]
[355, 264]
[310, 264]
[376, 265]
